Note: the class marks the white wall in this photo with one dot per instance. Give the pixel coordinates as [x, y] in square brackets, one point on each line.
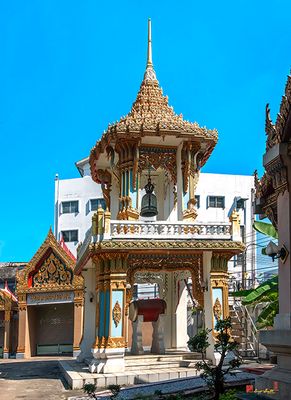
[81, 189]
[231, 187]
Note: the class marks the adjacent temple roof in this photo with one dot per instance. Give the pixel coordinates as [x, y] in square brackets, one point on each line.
[151, 115]
[274, 179]
[275, 132]
[8, 269]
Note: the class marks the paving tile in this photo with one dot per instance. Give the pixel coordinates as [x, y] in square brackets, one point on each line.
[153, 377]
[142, 378]
[100, 382]
[164, 376]
[174, 375]
[131, 378]
[110, 380]
[121, 379]
[191, 373]
[89, 380]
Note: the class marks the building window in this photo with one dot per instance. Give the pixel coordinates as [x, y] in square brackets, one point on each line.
[243, 233]
[240, 259]
[94, 204]
[197, 198]
[69, 207]
[240, 204]
[215, 201]
[70, 236]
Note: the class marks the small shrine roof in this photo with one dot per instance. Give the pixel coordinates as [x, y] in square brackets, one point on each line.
[50, 269]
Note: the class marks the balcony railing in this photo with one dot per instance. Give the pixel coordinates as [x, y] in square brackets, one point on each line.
[103, 228]
[120, 229]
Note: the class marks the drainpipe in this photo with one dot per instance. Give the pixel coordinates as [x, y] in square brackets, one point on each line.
[56, 208]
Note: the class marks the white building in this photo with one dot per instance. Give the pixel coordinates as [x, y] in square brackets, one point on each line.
[217, 195]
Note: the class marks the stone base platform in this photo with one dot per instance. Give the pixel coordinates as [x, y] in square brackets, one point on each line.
[139, 370]
[188, 386]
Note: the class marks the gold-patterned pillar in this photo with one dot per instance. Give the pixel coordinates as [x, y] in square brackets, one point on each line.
[109, 347]
[7, 333]
[190, 173]
[78, 321]
[22, 328]
[215, 285]
[107, 219]
[235, 226]
[126, 313]
[129, 195]
[219, 286]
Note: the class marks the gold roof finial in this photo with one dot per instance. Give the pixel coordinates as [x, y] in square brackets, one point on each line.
[150, 56]
[150, 74]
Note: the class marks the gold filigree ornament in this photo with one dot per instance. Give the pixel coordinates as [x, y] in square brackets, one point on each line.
[217, 309]
[53, 271]
[116, 314]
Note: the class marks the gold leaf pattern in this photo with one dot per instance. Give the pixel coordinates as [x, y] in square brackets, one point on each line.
[53, 271]
[217, 309]
[116, 314]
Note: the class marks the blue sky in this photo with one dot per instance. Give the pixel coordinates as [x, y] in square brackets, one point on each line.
[68, 68]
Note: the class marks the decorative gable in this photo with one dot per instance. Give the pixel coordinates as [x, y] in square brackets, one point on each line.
[51, 269]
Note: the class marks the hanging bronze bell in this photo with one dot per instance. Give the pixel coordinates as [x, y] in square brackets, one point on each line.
[149, 202]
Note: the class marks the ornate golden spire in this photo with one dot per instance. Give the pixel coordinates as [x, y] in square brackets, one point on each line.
[150, 55]
[150, 74]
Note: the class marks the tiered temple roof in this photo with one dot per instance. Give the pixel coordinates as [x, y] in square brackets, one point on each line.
[151, 115]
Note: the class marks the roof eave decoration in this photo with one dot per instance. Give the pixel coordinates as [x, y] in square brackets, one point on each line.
[151, 115]
[159, 246]
[275, 132]
[274, 181]
[7, 300]
[48, 252]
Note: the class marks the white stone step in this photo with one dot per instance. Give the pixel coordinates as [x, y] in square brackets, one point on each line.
[77, 374]
[150, 366]
[147, 357]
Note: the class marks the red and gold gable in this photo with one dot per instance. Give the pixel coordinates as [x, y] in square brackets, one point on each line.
[51, 269]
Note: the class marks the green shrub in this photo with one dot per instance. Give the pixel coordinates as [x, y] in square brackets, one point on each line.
[90, 389]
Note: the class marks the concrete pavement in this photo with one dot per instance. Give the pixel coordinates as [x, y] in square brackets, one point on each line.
[33, 379]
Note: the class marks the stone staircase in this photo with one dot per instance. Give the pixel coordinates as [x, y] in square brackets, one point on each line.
[244, 331]
[152, 361]
[147, 368]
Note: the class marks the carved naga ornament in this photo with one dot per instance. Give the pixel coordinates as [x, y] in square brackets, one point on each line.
[104, 178]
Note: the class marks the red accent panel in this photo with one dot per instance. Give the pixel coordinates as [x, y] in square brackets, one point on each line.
[150, 309]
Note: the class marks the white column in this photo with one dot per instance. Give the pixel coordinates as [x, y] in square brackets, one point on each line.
[181, 316]
[169, 311]
[179, 185]
[176, 336]
[89, 333]
[208, 314]
[136, 345]
[278, 339]
[158, 345]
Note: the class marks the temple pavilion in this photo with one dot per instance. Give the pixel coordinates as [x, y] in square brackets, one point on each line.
[148, 166]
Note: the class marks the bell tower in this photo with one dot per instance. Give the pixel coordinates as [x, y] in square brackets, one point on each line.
[148, 166]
